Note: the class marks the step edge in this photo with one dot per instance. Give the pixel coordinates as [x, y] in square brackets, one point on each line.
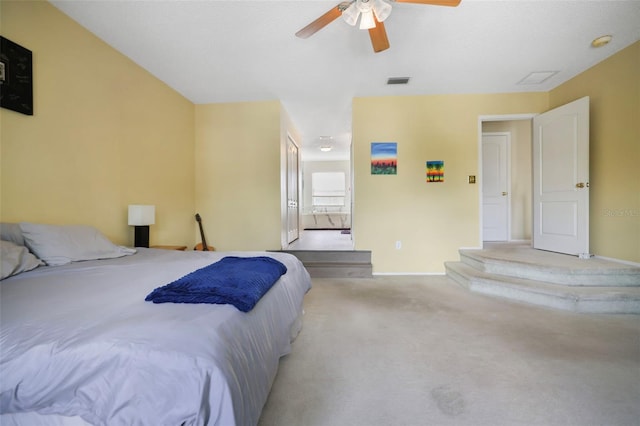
[540, 287]
[582, 304]
[627, 270]
[556, 275]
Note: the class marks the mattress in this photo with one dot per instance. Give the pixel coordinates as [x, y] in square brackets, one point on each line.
[78, 342]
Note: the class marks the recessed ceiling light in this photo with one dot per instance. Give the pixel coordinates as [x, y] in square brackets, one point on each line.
[537, 77]
[326, 148]
[601, 41]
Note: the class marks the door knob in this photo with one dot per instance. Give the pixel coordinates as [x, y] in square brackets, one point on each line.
[580, 185]
[504, 193]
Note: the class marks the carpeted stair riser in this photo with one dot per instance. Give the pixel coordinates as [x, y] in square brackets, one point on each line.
[580, 287]
[335, 263]
[573, 276]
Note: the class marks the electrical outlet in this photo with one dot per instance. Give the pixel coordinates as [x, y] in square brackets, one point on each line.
[398, 245]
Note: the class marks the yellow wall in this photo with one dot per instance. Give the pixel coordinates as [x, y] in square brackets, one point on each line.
[613, 87]
[105, 134]
[432, 220]
[238, 174]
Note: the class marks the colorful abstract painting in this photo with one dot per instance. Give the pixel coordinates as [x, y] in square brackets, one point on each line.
[384, 158]
[435, 171]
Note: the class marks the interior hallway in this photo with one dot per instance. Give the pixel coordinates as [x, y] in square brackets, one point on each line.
[421, 350]
[322, 240]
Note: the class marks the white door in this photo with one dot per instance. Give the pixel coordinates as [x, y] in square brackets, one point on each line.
[293, 171]
[561, 179]
[495, 187]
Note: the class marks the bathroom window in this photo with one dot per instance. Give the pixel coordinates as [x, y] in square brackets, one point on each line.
[328, 189]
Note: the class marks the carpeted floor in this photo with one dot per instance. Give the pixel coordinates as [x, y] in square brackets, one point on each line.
[423, 351]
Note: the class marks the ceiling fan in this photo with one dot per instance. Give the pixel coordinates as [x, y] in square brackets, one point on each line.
[372, 13]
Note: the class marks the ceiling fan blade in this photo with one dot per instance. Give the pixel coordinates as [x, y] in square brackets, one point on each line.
[452, 3]
[378, 36]
[321, 22]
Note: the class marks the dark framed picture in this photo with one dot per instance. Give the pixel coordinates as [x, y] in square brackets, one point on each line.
[16, 77]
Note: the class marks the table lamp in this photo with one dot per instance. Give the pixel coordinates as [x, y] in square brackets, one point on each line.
[141, 216]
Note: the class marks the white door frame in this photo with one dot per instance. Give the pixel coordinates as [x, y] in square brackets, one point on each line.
[293, 204]
[507, 178]
[284, 187]
[481, 119]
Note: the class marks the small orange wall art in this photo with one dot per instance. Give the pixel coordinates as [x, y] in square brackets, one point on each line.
[435, 171]
[384, 158]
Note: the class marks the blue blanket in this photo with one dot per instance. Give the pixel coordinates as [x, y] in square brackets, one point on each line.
[239, 281]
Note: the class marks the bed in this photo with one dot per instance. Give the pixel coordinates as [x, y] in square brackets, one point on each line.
[80, 345]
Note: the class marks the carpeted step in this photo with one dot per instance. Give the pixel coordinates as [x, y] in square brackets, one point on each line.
[335, 263]
[539, 265]
[339, 270]
[588, 299]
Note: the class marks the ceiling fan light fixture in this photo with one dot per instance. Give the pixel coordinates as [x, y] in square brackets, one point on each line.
[373, 13]
[350, 14]
[367, 21]
[366, 10]
[381, 9]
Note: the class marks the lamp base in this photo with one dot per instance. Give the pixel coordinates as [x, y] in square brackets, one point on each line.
[141, 236]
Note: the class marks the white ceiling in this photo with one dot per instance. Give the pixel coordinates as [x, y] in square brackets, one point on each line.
[214, 51]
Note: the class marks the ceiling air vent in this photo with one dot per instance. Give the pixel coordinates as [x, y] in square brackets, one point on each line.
[538, 77]
[398, 80]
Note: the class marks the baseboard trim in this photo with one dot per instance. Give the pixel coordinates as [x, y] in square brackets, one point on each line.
[327, 229]
[387, 274]
[624, 262]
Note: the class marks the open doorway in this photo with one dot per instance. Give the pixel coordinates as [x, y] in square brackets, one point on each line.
[326, 200]
[559, 177]
[505, 176]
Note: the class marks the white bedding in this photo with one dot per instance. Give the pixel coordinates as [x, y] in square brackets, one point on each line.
[79, 340]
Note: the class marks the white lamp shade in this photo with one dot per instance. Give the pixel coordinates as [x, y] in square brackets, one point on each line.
[382, 9]
[350, 14]
[365, 10]
[366, 20]
[140, 215]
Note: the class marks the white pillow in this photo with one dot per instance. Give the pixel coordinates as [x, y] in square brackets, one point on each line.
[62, 244]
[16, 259]
[11, 232]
